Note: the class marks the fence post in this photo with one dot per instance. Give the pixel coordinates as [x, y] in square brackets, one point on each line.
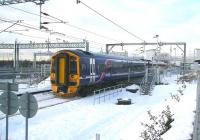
[99, 97]
[97, 136]
[109, 95]
[114, 90]
[196, 131]
[94, 97]
[104, 95]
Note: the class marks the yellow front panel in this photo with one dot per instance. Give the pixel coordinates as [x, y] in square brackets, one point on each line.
[61, 70]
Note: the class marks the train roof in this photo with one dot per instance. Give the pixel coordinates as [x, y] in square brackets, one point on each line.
[82, 53]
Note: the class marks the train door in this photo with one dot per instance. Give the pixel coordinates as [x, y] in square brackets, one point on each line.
[62, 70]
[61, 76]
[92, 70]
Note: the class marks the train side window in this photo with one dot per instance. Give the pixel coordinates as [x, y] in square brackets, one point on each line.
[101, 67]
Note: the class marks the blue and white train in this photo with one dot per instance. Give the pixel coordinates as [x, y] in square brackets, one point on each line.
[76, 72]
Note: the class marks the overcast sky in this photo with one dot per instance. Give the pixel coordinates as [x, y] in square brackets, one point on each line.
[172, 20]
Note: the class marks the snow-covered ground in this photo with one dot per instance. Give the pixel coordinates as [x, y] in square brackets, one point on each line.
[23, 88]
[44, 85]
[81, 119]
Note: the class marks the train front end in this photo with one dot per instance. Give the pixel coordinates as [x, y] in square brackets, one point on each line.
[65, 73]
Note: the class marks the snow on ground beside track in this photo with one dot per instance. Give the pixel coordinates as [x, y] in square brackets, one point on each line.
[44, 85]
[81, 119]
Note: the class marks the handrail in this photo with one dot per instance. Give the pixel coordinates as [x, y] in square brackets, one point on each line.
[99, 92]
[143, 83]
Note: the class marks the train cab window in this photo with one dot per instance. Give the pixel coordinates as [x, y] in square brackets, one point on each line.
[53, 67]
[73, 67]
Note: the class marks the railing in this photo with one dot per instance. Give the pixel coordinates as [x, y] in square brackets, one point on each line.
[142, 84]
[145, 80]
[152, 84]
[106, 93]
[25, 75]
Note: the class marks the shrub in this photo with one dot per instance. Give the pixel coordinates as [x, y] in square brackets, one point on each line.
[180, 91]
[175, 96]
[187, 78]
[158, 125]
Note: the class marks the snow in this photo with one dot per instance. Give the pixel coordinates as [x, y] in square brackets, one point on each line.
[23, 88]
[44, 85]
[81, 119]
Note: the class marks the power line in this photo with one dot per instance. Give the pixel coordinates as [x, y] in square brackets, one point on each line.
[47, 16]
[78, 1]
[25, 25]
[102, 36]
[29, 12]
[9, 27]
[34, 28]
[26, 35]
[53, 17]
[79, 28]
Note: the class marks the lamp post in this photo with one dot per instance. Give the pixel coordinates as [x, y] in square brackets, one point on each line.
[174, 56]
[156, 56]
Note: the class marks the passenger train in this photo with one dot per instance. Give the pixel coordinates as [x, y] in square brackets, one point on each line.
[77, 72]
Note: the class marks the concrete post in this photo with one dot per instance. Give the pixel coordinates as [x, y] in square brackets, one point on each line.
[16, 56]
[184, 59]
[107, 52]
[34, 61]
[87, 46]
[97, 136]
[196, 131]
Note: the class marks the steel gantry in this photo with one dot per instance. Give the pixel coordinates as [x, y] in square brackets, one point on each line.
[8, 2]
[18, 46]
[110, 46]
[83, 44]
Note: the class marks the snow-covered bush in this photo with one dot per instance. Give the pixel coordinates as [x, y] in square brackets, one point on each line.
[175, 96]
[180, 92]
[182, 88]
[187, 78]
[158, 125]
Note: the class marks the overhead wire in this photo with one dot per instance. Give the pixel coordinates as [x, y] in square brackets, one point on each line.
[9, 27]
[22, 34]
[53, 17]
[50, 17]
[135, 36]
[22, 24]
[29, 12]
[47, 16]
[35, 28]
[102, 36]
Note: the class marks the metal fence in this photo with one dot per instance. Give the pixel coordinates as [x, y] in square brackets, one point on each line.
[25, 75]
[106, 93]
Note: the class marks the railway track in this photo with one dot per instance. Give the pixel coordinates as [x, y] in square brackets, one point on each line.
[45, 99]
